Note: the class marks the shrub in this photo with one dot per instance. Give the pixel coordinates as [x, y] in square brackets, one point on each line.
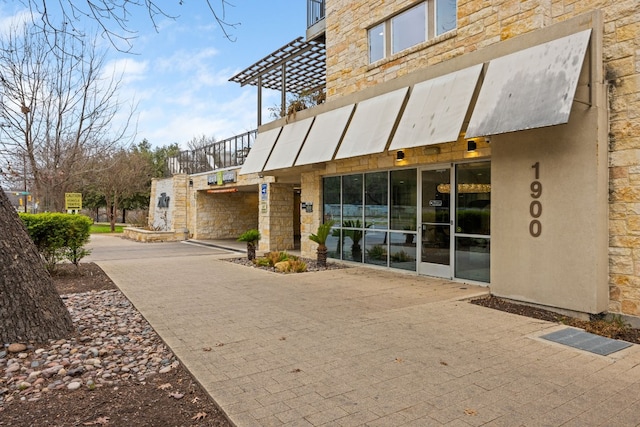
[58, 236]
[401, 256]
[377, 252]
[270, 259]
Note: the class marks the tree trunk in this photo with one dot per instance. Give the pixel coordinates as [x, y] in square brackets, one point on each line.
[30, 307]
[251, 251]
[321, 255]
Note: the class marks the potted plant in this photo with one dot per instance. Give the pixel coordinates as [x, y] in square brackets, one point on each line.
[321, 239]
[251, 237]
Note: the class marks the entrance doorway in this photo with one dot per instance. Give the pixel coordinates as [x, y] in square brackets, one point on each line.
[455, 222]
[436, 224]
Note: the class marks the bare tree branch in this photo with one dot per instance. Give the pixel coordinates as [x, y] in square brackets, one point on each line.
[113, 17]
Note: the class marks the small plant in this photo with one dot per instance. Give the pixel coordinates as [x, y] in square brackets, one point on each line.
[297, 265]
[251, 237]
[270, 259]
[320, 237]
[401, 256]
[291, 266]
[377, 252]
[262, 262]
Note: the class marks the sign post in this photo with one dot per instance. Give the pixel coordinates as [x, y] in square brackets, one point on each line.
[73, 202]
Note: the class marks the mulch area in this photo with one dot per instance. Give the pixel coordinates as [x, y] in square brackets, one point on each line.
[607, 327]
[171, 399]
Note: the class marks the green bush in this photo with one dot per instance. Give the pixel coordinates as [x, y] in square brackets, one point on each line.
[58, 236]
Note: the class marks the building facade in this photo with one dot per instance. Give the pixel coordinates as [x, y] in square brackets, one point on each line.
[492, 142]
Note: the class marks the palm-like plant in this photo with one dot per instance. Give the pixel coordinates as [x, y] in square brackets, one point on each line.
[251, 237]
[320, 237]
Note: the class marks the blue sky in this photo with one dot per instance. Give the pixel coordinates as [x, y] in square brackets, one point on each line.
[179, 75]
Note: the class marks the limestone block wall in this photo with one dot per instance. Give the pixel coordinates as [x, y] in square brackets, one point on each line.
[276, 218]
[225, 215]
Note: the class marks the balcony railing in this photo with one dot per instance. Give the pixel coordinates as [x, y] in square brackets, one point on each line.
[220, 155]
[315, 12]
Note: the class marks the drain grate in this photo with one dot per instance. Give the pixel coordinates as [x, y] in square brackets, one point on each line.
[585, 341]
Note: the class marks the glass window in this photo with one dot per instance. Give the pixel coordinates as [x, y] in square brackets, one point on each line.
[376, 203]
[375, 247]
[403, 199]
[473, 259]
[331, 198]
[445, 16]
[402, 253]
[473, 205]
[351, 199]
[409, 28]
[376, 43]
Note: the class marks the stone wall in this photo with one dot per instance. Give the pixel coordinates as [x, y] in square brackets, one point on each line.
[484, 23]
[225, 215]
[276, 218]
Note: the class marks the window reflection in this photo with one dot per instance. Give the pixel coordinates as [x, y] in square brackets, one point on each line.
[376, 200]
[445, 16]
[376, 43]
[409, 28]
[403, 199]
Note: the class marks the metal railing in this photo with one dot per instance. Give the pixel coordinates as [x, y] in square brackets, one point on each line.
[315, 11]
[219, 155]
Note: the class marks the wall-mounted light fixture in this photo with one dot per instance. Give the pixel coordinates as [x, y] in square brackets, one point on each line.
[399, 156]
[471, 145]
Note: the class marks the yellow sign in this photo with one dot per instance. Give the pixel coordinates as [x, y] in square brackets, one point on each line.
[73, 201]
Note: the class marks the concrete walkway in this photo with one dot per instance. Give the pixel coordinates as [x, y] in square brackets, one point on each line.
[362, 346]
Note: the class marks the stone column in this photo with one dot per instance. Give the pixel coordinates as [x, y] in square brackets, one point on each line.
[276, 218]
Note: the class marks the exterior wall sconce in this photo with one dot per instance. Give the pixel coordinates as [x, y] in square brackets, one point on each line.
[471, 145]
[399, 156]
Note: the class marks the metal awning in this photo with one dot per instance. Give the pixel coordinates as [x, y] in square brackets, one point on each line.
[297, 67]
[371, 125]
[260, 151]
[288, 145]
[531, 88]
[324, 136]
[436, 109]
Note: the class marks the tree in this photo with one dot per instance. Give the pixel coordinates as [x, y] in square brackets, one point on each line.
[57, 112]
[113, 17]
[30, 307]
[123, 174]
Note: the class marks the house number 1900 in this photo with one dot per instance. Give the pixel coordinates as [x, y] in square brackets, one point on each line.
[535, 208]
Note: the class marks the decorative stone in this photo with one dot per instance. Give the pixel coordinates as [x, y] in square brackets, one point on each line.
[74, 385]
[16, 348]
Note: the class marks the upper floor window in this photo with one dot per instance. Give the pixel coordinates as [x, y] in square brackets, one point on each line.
[411, 27]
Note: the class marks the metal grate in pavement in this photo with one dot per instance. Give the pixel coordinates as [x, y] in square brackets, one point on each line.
[586, 341]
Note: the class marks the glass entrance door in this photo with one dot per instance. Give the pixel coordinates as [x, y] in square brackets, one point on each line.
[436, 223]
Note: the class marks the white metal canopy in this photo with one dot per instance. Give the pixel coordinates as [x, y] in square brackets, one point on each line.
[324, 136]
[436, 109]
[260, 151]
[371, 125]
[288, 145]
[531, 88]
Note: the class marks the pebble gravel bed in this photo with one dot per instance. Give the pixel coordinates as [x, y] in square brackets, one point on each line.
[113, 344]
